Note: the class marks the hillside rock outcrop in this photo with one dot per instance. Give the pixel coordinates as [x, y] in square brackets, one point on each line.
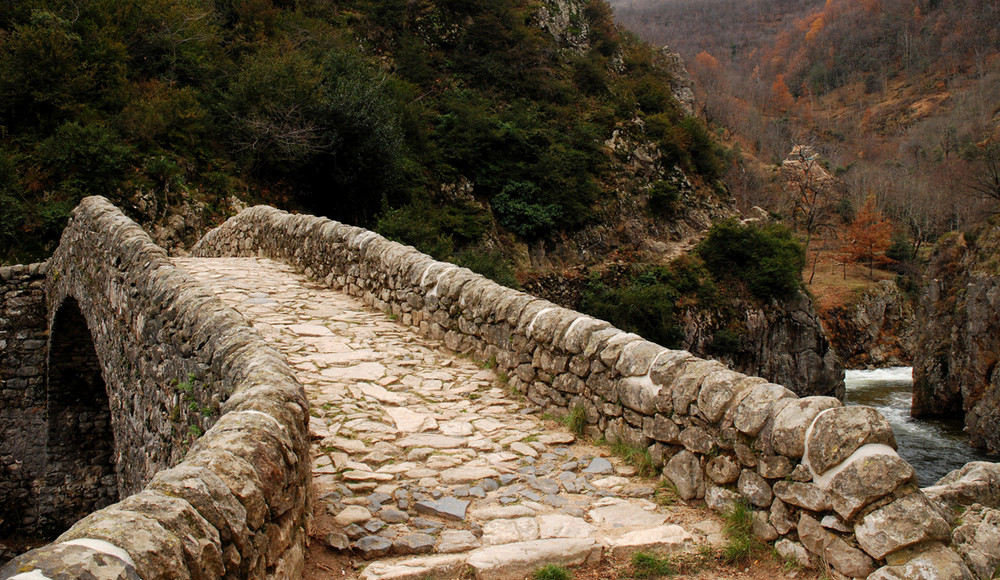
[872, 329]
[956, 348]
[782, 341]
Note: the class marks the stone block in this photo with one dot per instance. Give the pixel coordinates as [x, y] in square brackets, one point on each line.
[521, 559]
[806, 495]
[687, 384]
[754, 409]
[788, 435]
[697, 440]
[157, 553]
[661, 428]
[938, 562]
[837, 433]
[636, 358]
[866, 479]
[722, 469]
[75, 559]
[685, 472]
[754, 488]
[907, 521]
[659, 540]
[717, 392]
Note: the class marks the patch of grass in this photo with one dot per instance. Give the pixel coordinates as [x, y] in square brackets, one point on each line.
[552, 572]
[576, 421]
[490, 363]
[742, 544]
[638, 457]
[666, 493]
[646, 565]
[787, 564]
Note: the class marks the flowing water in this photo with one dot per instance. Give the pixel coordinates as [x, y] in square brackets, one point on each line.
[933, 446]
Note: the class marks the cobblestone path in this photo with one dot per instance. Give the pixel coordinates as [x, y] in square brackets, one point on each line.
[423, 463]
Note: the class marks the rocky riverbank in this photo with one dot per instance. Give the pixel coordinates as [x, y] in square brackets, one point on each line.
[956, 348]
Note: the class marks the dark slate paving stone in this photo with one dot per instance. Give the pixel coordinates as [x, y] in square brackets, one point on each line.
[371, 547]
[448, 508]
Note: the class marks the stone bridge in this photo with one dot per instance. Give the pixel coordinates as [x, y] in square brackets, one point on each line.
[162, 401]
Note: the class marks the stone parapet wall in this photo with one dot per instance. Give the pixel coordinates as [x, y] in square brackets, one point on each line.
[23, 336]
[823, 479]
[176, 362]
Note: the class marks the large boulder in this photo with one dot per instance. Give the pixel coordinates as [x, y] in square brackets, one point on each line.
[838, 433]
[788, 436]
[977, 540]
[866, 479]
[975, 482]
[937, 562]
[905, 522]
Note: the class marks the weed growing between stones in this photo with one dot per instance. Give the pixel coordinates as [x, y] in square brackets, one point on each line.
[742, 544]
[646, 565]
[552, 572]
[637, 457]
[576, 421]
[788, 564]
[666, 493]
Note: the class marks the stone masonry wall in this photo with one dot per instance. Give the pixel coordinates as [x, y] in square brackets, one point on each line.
[232, 502]
[824, 479]
[23, 334]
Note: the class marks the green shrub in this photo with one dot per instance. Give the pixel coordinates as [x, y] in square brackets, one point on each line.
[491, 264]
[85, 159]
[725, 341]
[901, 250]
[638, 457]
[765, 258]
[645, 309]
[664, 198]
[515, 209]
[707, 156]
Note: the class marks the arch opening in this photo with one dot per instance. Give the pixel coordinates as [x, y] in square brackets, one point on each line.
[80, 476]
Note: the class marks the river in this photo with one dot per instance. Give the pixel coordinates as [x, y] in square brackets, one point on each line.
[932, 446]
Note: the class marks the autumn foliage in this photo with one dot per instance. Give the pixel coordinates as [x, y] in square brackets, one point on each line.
[868, 237]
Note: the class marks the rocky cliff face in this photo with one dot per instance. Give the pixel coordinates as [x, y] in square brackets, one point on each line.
[782, 341]
[873, 329]
[956, 347]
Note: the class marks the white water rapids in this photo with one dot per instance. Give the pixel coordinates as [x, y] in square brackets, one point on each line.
[933, 446]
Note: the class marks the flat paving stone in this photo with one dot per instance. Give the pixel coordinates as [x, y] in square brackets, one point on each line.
[448, 508]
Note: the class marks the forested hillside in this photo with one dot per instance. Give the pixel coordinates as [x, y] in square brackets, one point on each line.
[440, 123]
[898, 98]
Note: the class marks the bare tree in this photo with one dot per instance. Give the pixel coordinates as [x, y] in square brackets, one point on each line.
[984, 174]
[810, 188]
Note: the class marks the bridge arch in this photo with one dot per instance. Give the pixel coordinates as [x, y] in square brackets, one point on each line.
[80, 451]
[160, 396]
